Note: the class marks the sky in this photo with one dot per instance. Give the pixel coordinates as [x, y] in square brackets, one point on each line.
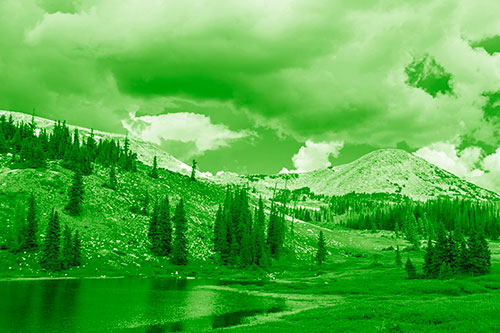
[261, 86]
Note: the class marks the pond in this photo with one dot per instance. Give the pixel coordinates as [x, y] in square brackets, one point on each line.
[129, 305]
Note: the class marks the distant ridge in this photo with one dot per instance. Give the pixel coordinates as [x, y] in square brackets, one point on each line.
[384, 171]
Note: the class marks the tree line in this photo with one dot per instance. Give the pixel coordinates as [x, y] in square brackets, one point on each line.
[32, 147]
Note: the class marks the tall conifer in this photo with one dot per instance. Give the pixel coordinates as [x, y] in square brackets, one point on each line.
[180, 248]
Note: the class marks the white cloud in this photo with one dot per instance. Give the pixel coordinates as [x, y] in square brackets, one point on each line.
[184, 127]
[314, 155]
[446, 156]
[468, 164]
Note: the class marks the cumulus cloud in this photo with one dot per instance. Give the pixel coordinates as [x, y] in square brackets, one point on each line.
[315, 155]
[446, 156]
[306, 68]
[194, 132]
[471, 163]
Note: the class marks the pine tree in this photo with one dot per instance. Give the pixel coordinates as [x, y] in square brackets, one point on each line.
[259, 234]
[193, 170]
[153, 229]
[145, 204]
[164, 229]
[67, 248]
[112, 182]
[76, 252]
[410, 269]
[429, 266]
[75, 195]
[321, 254]
[51, 244]
[31, 224]
[275, 234]
[399, 261]
[464, 257]
[479, 253]
[219, 219]
[453, 253]
[234, 252]
[445, 271]
[180, 250]
[154, 171]
[245, 231]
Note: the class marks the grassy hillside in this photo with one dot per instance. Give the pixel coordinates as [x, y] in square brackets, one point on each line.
[114, 238]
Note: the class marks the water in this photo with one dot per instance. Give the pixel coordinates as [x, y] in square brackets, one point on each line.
[129, 305]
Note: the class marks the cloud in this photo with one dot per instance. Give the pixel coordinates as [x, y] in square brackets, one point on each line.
[446, 156]
[471, 163]
[192, 133]
[313, 156]
[305, 68]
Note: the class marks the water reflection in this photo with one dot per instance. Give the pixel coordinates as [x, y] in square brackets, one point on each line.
[137, 305]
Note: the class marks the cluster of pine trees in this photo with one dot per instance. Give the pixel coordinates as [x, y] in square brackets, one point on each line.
[452, 254]
[32, 147]
[243, 238]
[60, 250]
[166, 239]
[57, 250]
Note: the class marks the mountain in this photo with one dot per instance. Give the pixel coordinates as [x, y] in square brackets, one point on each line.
[384, 170]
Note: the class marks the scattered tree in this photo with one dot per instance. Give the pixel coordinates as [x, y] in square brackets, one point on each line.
[75, 195]
[321, 254]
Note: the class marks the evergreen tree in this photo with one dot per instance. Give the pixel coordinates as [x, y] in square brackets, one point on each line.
[234, 252]
[464, 257]
[321, 253]
[67, 248]
[219, 219]
[410, 269]
[245, 231]
[153, 234]
[445, 271]
[399, 261]
[479, 253]
[453, 254]
[180, 250]
[145, 204]
[275, 233]
[75, 195]
[429, 265]
[32, 224]
[112, 182]
[154, 171]
[259, 234]
[76, 254]
[51, 244]
[164, 229]
[193, 170]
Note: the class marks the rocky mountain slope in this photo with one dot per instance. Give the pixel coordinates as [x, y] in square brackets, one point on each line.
[385, 170]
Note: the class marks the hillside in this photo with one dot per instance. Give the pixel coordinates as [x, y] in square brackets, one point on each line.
[145, 150]
[114, 238]
[381, 171]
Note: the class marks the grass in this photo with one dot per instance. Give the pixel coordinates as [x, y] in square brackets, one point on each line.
[370, 294]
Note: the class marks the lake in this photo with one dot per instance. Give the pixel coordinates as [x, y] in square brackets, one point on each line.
[129, 305]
